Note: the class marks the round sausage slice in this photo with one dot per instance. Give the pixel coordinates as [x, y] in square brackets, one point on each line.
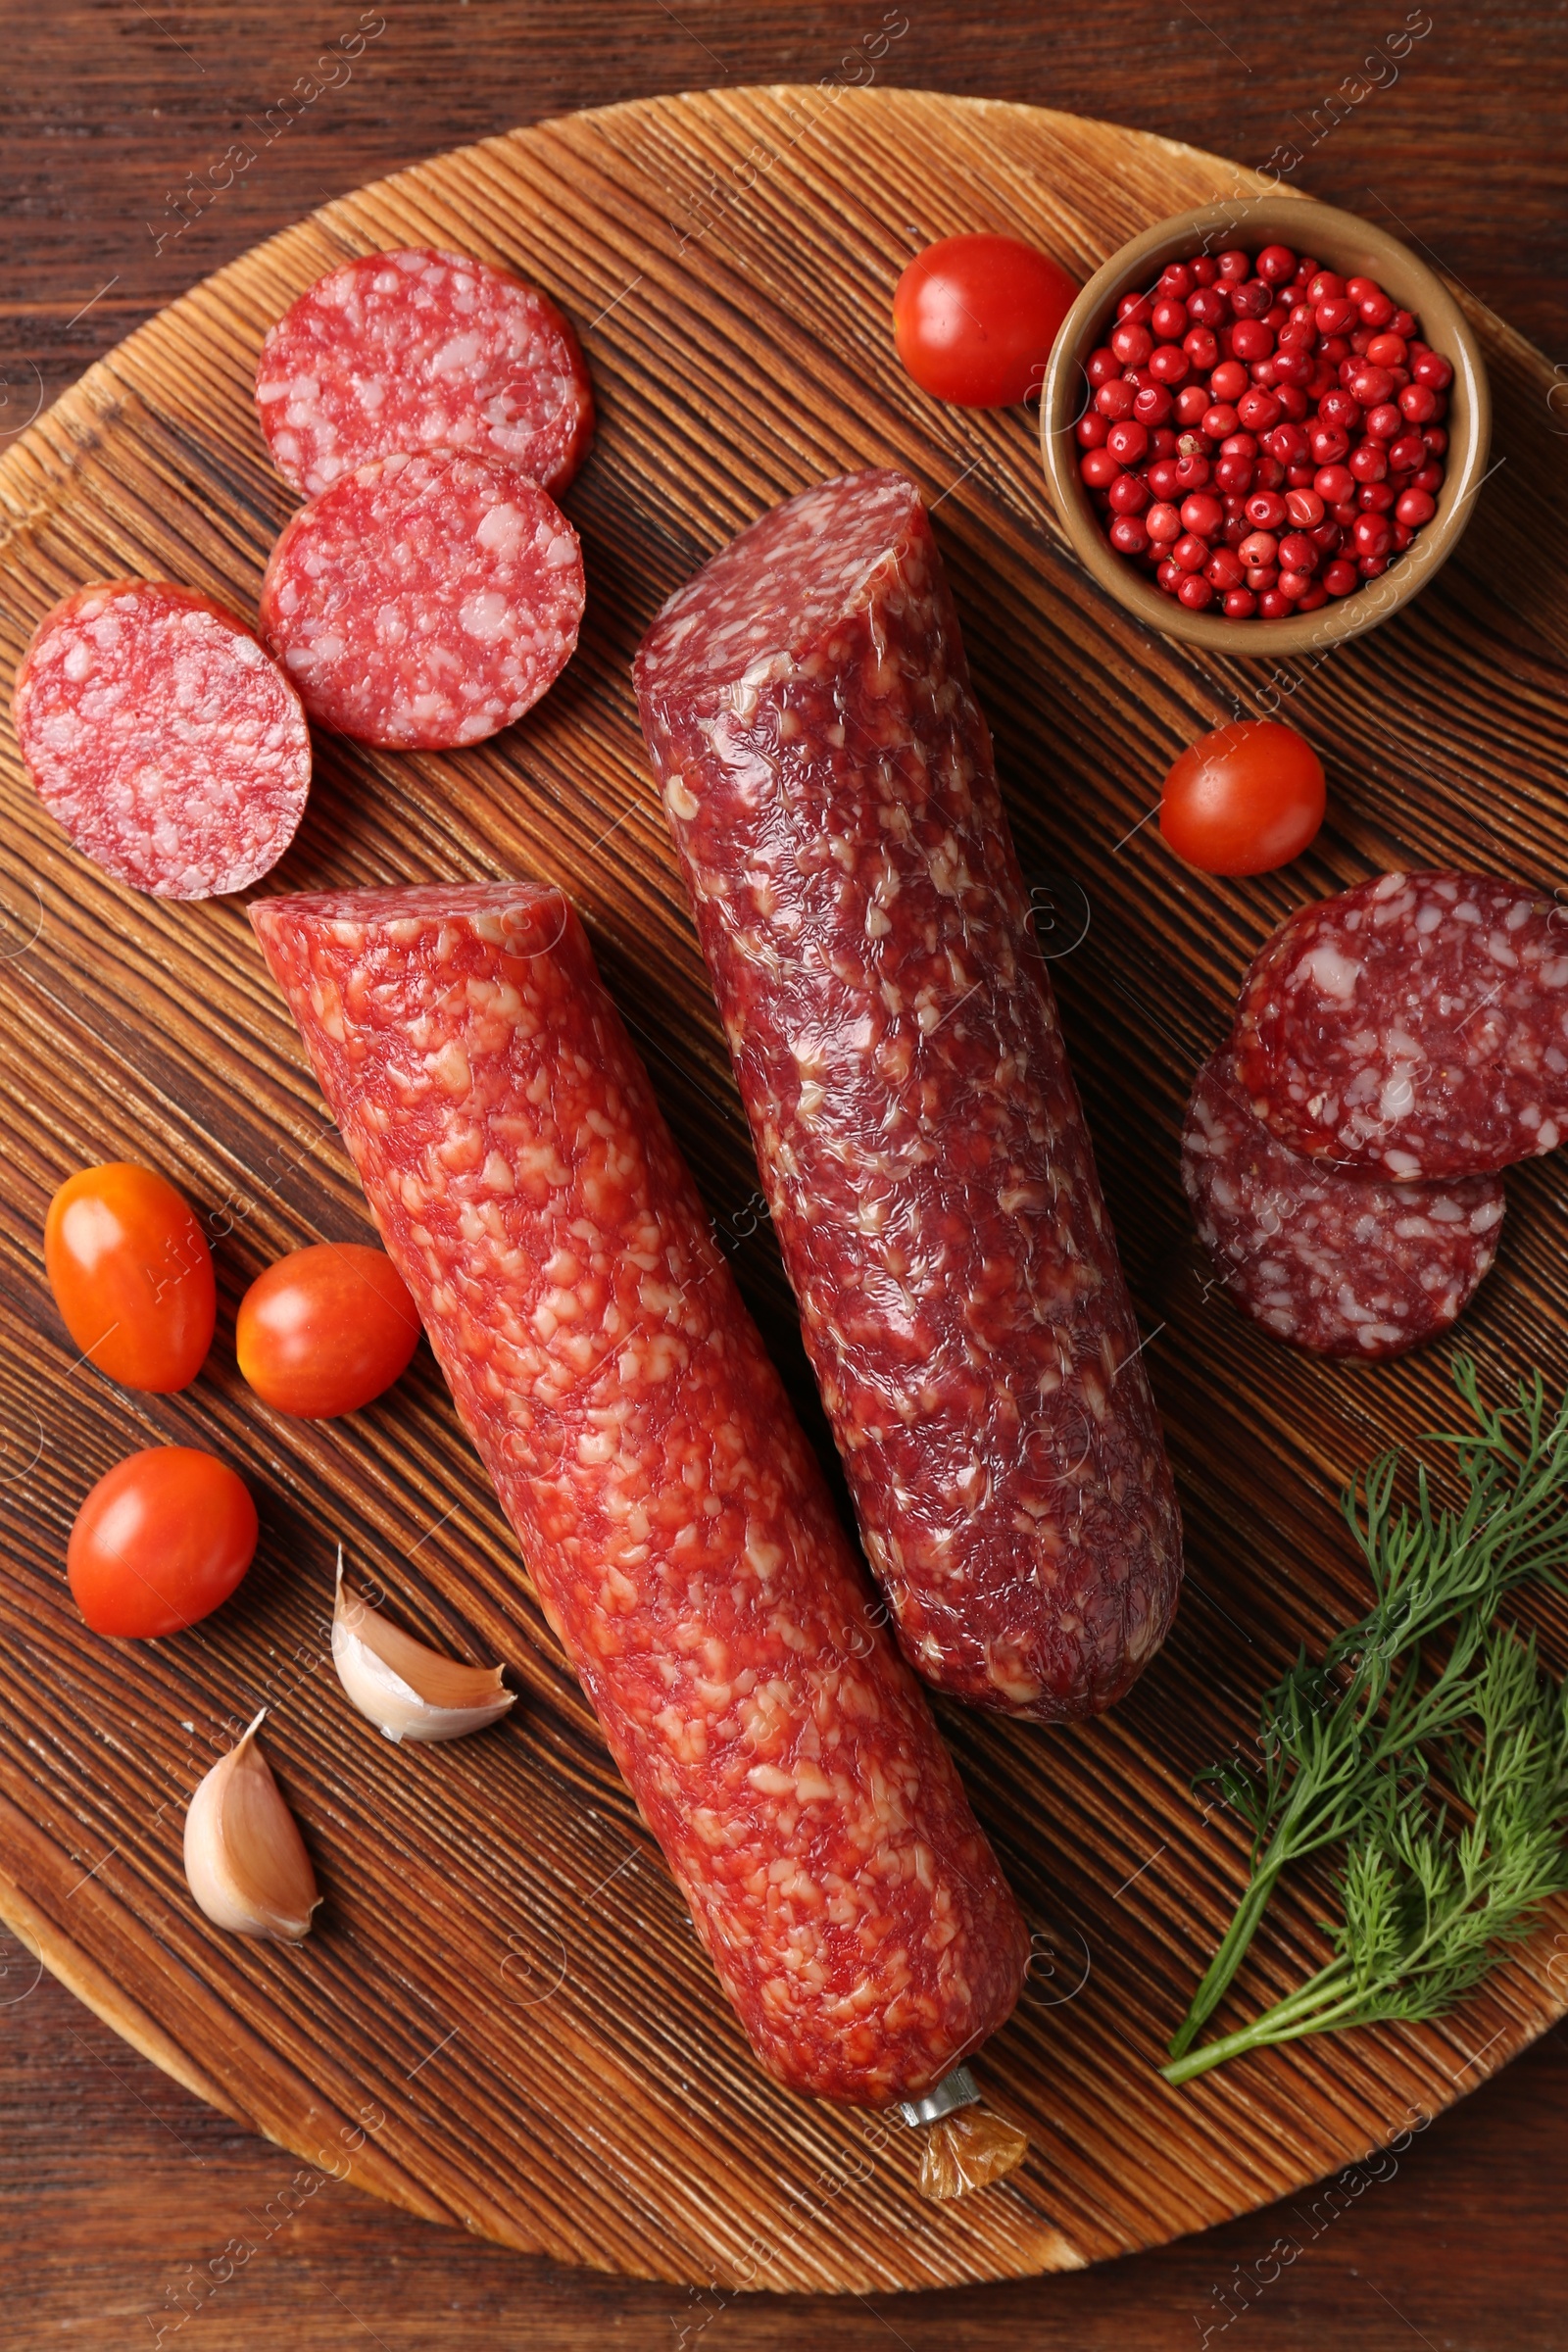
[425, 602]
[423, 350]
[1414, 1027]
[1337, 1263]
[159, 732]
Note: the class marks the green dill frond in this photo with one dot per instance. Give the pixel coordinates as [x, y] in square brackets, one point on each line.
[1427, 1691]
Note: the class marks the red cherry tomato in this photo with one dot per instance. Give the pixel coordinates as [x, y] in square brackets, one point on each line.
[326, 1330]
[159, 1542]
[131, 1274]
[1244, 800]
[975, 318]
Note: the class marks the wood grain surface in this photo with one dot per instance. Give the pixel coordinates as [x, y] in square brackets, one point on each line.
[765, 1289]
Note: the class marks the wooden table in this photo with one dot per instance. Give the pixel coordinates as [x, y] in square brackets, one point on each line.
[116, 2186]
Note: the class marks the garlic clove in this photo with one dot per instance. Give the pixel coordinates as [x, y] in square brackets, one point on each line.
[245, 1860]
[406, 1691]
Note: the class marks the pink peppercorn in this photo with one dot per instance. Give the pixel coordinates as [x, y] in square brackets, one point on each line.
[1368, 385]
[1203, 514]
[1293, 369]
[1257, 410]
[1234, 403]
[1336, 317]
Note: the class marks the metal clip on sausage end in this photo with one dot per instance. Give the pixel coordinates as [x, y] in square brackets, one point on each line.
[966, 2148]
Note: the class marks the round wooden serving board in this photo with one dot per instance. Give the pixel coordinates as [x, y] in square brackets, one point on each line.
[503, 2017]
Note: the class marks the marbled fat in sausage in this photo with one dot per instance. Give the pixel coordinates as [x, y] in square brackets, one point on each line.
[829, 782]
[425, 602]
[677, 1526]
[422, 350]
[163, 737]
[1415, 1026]
[1336, 1262]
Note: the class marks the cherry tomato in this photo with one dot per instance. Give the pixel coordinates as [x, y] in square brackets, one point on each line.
[1244, 800]
[326, 1330]
[131, 1274]
[975, 318]
[159, 1542]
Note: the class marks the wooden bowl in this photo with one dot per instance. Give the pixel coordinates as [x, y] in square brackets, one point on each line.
[1339, 241]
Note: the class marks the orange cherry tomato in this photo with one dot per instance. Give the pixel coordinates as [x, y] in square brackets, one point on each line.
[326, 1330]
[159, 1542]
[1245, 798]
[975, 318]
[133, 1275]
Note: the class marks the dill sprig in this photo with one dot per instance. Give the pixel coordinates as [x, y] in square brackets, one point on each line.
[1349, 1743]
[1426, 1908]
